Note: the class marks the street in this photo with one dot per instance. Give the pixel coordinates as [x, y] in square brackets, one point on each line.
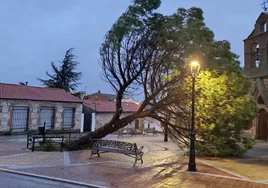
[10, 180]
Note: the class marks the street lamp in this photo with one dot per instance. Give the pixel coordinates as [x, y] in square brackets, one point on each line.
[192, 165]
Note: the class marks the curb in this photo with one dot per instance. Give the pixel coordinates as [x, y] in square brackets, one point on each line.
[52, 178]
[13, 167]
[239, 177]
[227, 177]
[224, 170]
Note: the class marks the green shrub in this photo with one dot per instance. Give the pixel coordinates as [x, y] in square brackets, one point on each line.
[248, 143]
[7, 133]
[48, 145]
[229, 148]
[73, 145]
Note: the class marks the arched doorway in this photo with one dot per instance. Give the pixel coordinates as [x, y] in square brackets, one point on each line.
[262, 125]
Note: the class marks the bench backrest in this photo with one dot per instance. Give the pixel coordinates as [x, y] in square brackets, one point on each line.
[150, 129]
[115, 144]
[127, 130]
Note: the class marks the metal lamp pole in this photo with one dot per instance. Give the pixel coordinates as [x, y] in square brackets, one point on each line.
[192, 165]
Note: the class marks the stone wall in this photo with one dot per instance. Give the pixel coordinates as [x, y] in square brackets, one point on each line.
[103, 118]
[4, 116]
[34, 113]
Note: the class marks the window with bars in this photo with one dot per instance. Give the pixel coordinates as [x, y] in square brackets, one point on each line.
[46, 117]
[19, 118]
[68, 121]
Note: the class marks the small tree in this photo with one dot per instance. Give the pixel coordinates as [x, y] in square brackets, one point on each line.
[224, 109]
[64, 76]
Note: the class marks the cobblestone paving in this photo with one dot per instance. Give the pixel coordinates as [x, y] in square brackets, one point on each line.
[12, 152]
[9, 145]
[33, 158]
[122, 175]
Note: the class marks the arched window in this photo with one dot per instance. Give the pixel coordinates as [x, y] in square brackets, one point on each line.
[255, 53]
[263, 27]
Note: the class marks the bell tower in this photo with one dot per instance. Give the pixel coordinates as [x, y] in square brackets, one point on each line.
[256, 68]
[256, 49]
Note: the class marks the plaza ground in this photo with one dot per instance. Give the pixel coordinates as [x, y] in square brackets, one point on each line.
[165, 165]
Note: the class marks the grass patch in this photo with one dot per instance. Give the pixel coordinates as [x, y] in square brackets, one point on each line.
[254, 169]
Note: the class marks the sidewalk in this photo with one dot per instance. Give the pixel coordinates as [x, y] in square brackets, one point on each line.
[164, 166]
[111, 174]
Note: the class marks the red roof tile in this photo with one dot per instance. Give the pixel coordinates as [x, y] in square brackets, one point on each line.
[149, 119]
[21, 92]
[110, 106]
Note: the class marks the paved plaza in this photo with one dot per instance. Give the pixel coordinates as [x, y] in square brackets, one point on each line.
[165, 165]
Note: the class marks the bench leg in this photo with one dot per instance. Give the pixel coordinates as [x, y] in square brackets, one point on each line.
[94, 152]
[91, 154]
[27, 140]
[141, 159]
[136, 158]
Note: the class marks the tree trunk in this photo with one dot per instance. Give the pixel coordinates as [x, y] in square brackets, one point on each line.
[105, 130]
[166, 133]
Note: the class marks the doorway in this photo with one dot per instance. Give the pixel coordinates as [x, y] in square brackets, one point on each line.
[262, 125]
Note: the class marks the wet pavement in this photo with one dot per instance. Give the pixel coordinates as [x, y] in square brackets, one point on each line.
[164, 166]
[260, 150]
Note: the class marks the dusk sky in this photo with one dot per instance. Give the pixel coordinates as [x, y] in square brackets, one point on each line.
[34, 33]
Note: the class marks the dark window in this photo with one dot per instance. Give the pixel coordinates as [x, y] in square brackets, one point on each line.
[255, 52]
[263, 27]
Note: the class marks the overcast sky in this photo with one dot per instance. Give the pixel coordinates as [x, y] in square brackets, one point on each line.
[35, 32]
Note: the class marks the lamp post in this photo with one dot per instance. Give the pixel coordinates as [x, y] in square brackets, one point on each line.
[192, 165]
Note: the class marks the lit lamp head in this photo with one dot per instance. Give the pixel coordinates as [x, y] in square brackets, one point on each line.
[195, 66]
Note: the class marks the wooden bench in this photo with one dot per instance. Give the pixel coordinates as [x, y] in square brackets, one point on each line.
[147, 131]
[130, 131]
[114, 146]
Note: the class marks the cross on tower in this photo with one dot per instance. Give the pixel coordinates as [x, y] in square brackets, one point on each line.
[264, 5]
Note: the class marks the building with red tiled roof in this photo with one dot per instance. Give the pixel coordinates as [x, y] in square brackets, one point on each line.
[24, 108]
[108, 97]
[22, 92]
[110, 106]
[106, 109]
